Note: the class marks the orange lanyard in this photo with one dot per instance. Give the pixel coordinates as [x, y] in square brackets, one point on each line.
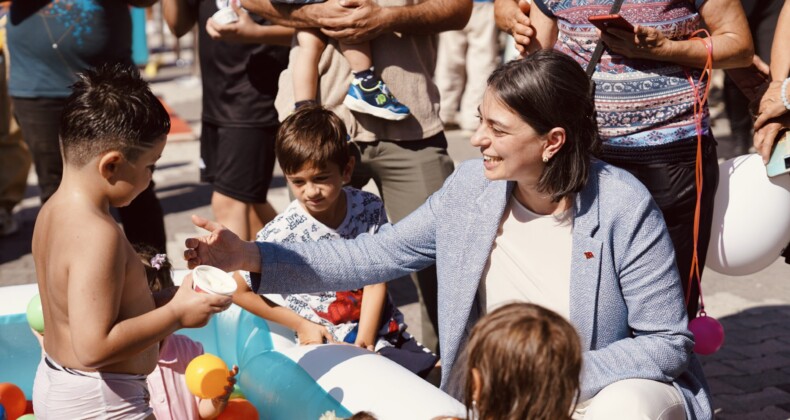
[699, 114]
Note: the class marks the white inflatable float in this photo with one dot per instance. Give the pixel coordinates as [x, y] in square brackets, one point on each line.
[282, 379]
[751, 217]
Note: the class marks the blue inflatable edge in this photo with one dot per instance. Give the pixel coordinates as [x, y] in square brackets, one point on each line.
[277, 386]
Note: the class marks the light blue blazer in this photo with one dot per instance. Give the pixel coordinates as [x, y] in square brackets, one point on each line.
[626, 300]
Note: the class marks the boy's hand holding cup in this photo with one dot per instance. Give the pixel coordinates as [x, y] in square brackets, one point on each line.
[201, 296]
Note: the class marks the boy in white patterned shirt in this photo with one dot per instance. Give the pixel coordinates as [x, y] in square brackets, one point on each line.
[313, 152]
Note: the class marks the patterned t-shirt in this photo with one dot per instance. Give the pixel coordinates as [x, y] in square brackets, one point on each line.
[337, 311]
[639, 102]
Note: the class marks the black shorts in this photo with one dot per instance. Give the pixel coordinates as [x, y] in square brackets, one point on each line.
[238, 161]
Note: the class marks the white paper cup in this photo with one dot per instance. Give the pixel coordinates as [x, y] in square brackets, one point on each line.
[225, 16]
[212, 280]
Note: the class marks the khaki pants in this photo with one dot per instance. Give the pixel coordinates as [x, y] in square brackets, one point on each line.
[406, 174]
[464, 61]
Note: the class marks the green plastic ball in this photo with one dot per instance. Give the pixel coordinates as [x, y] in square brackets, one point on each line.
[35, 315]
[236, 392]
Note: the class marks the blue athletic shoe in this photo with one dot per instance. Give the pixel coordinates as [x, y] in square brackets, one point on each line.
[377, 101]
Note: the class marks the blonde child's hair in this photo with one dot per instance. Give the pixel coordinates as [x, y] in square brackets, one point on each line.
[528, 359]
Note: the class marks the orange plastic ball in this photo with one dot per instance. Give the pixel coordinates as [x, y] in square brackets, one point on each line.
[207, 376]
[239, 409]
[13, 399]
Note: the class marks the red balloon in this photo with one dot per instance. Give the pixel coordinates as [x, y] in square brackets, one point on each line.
[13, 399]
[708, 334]
[29, 407]
[239, 409]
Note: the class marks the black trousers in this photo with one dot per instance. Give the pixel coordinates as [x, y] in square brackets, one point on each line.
[39, 119]
[668, 172]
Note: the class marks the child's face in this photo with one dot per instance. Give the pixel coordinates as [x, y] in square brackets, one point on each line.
[136, 175]
[318, 189]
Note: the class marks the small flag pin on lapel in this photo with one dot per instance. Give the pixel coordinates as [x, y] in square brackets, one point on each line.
[588, 255]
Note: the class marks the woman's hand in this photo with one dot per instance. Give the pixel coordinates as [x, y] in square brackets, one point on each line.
[771, 105]
[765, 136]
[515, 21]
[311, 333]
[221, 248]
[645, 42]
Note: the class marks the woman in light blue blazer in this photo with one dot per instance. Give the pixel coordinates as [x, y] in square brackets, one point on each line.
[537, 219]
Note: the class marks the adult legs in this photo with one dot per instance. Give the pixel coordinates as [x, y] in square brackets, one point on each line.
[450, 74]
[635, 399]
[239, 162]
[407, 172]
[482, 57]
[14, 159]
[243, 219]
[39, 119]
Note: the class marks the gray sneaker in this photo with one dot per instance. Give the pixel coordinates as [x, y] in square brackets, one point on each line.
[8, 225]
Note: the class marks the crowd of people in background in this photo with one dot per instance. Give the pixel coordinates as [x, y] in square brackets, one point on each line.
[592, 202]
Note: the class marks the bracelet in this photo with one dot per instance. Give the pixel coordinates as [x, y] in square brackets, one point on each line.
[784, 93]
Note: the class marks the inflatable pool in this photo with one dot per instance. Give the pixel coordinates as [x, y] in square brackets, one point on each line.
[283, 380]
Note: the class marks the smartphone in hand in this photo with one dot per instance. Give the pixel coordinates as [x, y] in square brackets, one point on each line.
[780, 156]
[604, 22]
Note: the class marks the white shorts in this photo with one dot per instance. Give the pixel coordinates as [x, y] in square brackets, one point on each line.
[64, 393]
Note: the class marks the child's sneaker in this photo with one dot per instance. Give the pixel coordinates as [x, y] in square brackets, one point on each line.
[377, 101]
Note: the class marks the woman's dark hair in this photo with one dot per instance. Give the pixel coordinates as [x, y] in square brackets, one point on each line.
[529, 360]
[111, 108]
[548, 89]
[312, 135]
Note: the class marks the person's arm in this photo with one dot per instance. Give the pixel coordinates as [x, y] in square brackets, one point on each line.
[179, 15]
[373, 299]
[396, 250]
[355, 21]
[660, 345]
[211, 408]
[308, 332]
[95, 290]
[511, 17]
[545, 30]
[730, 37]
[246, 30]
[772, 115]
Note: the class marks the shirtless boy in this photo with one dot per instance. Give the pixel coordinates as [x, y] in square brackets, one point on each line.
[103, 327]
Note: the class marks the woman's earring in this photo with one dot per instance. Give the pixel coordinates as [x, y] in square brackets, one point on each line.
[545, 159]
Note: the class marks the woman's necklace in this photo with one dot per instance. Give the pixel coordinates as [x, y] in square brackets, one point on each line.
[49, 32]
[55, 43]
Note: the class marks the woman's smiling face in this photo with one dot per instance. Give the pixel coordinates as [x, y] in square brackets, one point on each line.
[512, 150]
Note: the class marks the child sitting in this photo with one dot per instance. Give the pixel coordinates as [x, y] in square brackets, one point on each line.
[103, 327]
[523, 362]
[312, 149]
[170, 397]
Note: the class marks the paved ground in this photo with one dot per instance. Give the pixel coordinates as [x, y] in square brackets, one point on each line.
[749, 376]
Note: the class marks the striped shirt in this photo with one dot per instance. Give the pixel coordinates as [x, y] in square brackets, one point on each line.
[639, 102]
